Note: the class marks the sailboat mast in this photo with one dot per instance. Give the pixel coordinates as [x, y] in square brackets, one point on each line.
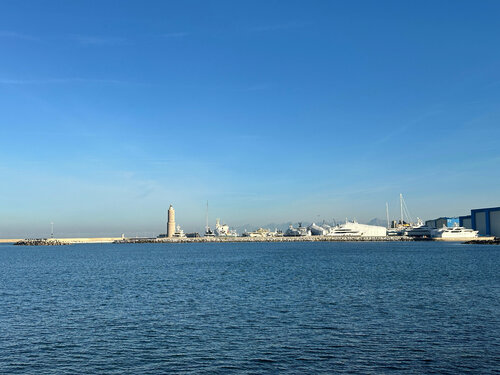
[401, 204]
[387, 213]
[206, 226]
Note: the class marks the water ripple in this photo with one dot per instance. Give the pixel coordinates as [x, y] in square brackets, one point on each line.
[250, 308]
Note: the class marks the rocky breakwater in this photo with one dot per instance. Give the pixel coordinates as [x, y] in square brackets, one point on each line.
[492, 241]
[263, 239]
[40, 242]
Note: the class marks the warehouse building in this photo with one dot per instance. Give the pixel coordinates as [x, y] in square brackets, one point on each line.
[486, 221]
[446, 221]
[465, 221]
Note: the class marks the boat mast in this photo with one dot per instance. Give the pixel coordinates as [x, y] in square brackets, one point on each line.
[387, 213]
[206, 226]
[405, 211]
[401, 206]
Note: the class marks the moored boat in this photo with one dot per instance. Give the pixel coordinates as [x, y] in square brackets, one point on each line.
[454, 233]
[418, 230]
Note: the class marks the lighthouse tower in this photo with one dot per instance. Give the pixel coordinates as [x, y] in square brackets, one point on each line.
[171, 222]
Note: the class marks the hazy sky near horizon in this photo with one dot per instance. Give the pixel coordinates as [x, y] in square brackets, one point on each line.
[273, 111]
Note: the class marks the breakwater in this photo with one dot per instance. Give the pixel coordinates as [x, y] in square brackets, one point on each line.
[41, 242]
[494, 241]
[264, 239]
[10, 240]
[64, 241]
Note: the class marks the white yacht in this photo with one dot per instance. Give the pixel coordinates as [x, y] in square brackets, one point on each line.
[342, 231]
[223, 230]
[220, 230]
[297, 232]
[454, 233]
[317, 230]
[419, 230]
[354, 229]
[179, 232]
[261, 232]
[209, 232]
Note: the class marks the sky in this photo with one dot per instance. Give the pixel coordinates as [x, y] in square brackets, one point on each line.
[272, 111]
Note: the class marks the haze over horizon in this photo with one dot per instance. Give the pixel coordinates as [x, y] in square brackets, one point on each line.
[272, 111]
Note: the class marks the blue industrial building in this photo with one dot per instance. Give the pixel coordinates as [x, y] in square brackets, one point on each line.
[465, 221]
[446, 221]
[486, 221]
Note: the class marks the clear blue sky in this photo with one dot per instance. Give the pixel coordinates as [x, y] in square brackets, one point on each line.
[270, 110]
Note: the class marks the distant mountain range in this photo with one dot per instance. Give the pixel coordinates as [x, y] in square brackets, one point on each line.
[377, 221]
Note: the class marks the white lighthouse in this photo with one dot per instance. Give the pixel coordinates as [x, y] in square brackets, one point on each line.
[171, 222]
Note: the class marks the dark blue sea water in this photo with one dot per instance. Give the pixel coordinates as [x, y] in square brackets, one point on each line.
[250, 308]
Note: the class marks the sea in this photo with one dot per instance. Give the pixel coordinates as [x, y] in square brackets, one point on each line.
[250, 308]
